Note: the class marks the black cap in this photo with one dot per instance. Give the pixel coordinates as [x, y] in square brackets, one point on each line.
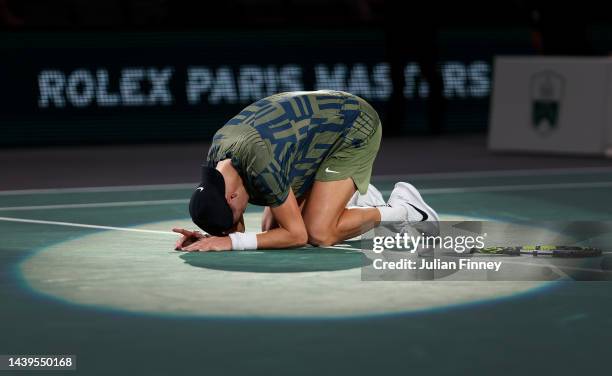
[208, 207]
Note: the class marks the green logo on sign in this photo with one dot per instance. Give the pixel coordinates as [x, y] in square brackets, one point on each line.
[546, 95]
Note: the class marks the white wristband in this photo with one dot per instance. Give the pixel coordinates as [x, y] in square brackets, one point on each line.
[243, 240]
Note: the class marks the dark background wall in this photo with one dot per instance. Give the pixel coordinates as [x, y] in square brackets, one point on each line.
[79, 71]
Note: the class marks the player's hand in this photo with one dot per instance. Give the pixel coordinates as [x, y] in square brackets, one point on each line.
[213, 243]
[187, 238]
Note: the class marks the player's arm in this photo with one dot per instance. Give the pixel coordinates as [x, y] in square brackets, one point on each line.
[291, 230]
[290, 233]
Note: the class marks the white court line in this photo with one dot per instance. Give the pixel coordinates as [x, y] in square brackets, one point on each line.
[426, 191]
[94, 205]
[442, 175]
[118, 188]
[516, 187]
[83, 225]
[342, 247]
[498, 173]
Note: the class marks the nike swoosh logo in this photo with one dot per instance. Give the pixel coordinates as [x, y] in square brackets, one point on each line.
[425, 216]
[331, 171]
[200, 189]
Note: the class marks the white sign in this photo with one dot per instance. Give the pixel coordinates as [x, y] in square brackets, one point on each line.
[551, 104]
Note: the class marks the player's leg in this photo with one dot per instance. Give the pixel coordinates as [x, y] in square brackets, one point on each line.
[267, 220]
[329, 221]
[326, 217]
[348, 168]
[372, 199]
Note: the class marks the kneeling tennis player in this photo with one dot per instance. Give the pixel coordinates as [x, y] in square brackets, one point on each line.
[302, 155]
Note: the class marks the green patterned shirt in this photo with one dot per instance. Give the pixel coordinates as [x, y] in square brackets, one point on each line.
[279, 142]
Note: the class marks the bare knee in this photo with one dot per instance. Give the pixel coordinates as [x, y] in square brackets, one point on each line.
[321, 236]
[267, 220]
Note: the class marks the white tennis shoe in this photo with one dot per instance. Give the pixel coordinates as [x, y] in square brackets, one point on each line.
[420, 216]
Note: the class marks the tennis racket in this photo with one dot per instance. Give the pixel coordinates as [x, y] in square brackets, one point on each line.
[541, 250]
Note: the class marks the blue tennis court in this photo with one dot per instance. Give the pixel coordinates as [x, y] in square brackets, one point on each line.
[92, 271]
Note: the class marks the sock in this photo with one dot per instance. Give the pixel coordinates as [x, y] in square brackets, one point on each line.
[392, 214]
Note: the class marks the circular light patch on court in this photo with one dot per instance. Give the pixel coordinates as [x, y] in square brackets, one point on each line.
[141, 273]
